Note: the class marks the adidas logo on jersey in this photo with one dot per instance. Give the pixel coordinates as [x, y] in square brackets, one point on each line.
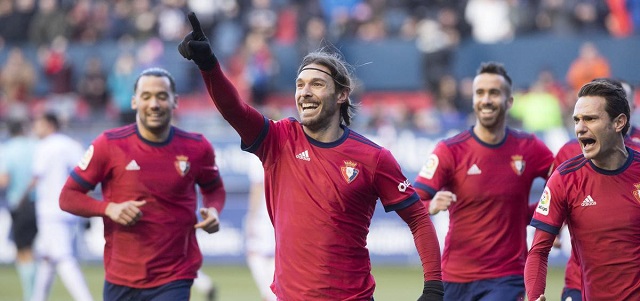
[304, 156]
[474, 170]
[588, 201]
[133, 165]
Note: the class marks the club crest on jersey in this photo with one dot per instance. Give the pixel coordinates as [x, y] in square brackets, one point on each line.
[349, 171]
[182, 165]
[517, 164]
[636, 193]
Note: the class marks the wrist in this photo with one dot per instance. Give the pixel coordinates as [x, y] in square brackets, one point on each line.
[208, 63]
[433, 288]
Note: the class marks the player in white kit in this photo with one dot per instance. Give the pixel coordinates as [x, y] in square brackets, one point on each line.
[55, 156]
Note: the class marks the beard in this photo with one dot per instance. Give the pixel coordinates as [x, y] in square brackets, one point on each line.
[322, 120]
[493, 121]
[155, 126]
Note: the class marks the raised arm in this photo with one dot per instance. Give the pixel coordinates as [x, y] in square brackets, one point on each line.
[246, 120]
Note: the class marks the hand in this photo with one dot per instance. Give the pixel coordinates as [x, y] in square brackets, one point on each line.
[557, 242]
[126, 214]
[542, 298]
[441, 201]
[433, 291]
[195, 46]
[210, 222]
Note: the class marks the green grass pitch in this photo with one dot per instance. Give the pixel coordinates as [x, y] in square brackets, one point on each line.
[235, 283]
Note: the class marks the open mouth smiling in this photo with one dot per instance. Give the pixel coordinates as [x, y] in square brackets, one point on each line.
[309, 106]
[585, 142]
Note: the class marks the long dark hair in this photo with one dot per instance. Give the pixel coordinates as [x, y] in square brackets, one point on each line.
[342, 77]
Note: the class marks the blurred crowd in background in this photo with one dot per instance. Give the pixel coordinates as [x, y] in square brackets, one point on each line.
[243, 33]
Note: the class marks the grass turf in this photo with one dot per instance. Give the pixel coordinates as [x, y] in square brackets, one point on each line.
[235, 283]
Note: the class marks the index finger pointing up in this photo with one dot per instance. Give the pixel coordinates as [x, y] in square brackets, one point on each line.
[195, 24]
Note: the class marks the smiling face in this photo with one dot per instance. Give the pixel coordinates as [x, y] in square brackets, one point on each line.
[317, 101]
[154, 102]
[598, 134]
[491, 100]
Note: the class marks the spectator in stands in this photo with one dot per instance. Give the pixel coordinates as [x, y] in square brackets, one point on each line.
[58, 69]
[490, 20]
[260, 17]
[541, 113]
[589, 16]
[555, 17]
[634, 11]
[144, 20]
[15, 20]
[451, 106]
[588, 65]
[119, 82]
[79, 20]
[93, 90]
[437, 38]
[17, 80]
[618, 21]
[315, 32]
[48, 23]
[260, 65]
[149, 53]
[122, 25]
[171, 27]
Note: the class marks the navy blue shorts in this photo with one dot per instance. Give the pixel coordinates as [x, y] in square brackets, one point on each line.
[571, 294]
[173, 291]
[509, 288]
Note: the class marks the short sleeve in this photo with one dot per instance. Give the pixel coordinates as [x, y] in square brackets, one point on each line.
[552, 207]
[393, 188]
[436, 171]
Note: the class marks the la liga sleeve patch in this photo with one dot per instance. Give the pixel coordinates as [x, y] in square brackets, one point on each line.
[429, 168]
[545, 202]
[86, 158]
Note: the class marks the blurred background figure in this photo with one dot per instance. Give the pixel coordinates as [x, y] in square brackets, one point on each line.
[123, 73]
[204, 284]
[490, 20]
[259, 234]
[540, 112]
[48, 23]
[55, 156]
[15, 177]
[17, 80]
[588, 65]
[93, 90]
[59, 71]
